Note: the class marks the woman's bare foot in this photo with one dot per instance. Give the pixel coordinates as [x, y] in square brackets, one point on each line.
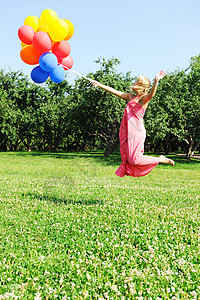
[165, 160]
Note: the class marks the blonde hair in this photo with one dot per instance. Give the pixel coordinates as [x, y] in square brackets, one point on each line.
[142, 86]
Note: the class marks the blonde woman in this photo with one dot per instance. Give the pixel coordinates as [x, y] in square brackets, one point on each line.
[132, 131]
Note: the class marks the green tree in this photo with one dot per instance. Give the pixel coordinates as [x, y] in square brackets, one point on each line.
[19, 110]
[52, 115]
[164, 116]
[172, 119]
[8, 111]
[8, 132]
[61, 116]
[99, 113]
[192, 107]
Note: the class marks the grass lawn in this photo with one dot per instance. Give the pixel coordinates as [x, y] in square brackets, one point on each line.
[71, 229]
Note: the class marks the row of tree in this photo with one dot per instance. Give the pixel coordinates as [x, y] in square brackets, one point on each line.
[80, 117]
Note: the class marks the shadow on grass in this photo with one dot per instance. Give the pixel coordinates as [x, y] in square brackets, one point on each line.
[57, 200]
[98, 156]
[181, 160]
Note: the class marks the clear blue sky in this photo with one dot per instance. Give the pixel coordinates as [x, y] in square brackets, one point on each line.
[146, 36]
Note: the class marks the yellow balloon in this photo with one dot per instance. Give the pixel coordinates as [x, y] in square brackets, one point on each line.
[70, 28]
[32, 21]
[44, 28]
[48, 16]
[58, 30]
[23, 45]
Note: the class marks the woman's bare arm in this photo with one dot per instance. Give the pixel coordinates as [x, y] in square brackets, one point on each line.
[152, 92]
[125, 96]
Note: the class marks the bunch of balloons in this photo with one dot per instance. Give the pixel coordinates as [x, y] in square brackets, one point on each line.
[44, 40]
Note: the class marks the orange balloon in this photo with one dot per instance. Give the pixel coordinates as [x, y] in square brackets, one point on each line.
[30, 55]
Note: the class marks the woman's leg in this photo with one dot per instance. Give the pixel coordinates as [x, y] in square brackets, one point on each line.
[165, 160]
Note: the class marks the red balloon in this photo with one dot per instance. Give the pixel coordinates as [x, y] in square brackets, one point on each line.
[42, 42]
[61, 49]
[66, 62]
[26, 34]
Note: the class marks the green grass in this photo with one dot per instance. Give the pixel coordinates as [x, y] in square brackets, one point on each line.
[71, 229]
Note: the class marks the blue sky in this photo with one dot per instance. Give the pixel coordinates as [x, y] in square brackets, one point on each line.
[146, 36]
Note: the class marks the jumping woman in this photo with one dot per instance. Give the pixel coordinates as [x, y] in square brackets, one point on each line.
[132, 132]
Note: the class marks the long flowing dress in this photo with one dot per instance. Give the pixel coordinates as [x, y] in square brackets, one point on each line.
[132, 136]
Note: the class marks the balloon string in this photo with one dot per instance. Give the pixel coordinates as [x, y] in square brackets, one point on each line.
[77, 73]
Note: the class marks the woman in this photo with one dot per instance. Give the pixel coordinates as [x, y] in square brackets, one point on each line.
[132, 131]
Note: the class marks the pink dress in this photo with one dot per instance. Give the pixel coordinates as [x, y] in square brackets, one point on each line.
[132, 136]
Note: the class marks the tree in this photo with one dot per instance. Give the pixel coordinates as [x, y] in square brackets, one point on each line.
[99, 113]
[8, 132]
[52, 115]
[172, 118]
[8, 111]
[164, 116]
[61, 116]
[192, 107]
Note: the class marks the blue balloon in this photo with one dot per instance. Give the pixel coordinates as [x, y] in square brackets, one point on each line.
[58, 74]
[48, 61]
[38, 75]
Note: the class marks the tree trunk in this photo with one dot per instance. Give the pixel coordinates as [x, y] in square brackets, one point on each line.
[189, 148]
[167, 144]
[27, 146]
[192, 149]
[113, 140]
[111, 147]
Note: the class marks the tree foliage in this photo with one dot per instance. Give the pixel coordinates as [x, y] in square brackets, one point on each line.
[173, 117]
[81, 117]
[99, 113]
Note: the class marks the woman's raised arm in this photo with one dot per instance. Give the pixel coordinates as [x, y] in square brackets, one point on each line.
[152, 92]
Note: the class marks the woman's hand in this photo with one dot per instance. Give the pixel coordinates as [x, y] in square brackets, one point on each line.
[152, 92]
[160, 75]
[95, 83]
